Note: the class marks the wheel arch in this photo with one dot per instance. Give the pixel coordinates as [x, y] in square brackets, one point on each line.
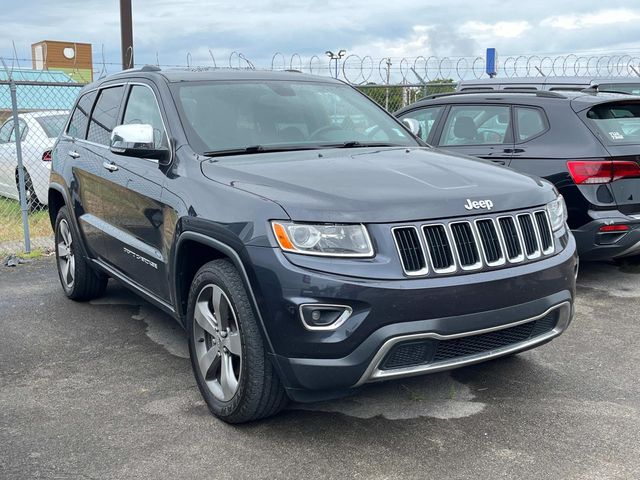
[193, 250]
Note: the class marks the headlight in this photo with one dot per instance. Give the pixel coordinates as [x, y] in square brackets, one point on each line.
[557, 211]
[329, 240]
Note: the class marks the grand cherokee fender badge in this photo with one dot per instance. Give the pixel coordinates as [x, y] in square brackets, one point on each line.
[140, 258]
[476, 205]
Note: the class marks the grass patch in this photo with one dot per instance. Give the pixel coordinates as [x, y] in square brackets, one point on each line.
[35, 253]
[11, 222]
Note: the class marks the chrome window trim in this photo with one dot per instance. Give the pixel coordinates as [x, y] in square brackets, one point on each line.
[520, 258]
[344, 316]
[478, 264]
[417, 273]
[453, 268]
[503, 258]
[374, 373]
[538, 252]
[125, 101]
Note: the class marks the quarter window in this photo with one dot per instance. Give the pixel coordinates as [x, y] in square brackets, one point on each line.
[142, 108]
[80, 117]
[6, 132]
[531, 122]
[105, 115]
[426, 117]
[476, 125]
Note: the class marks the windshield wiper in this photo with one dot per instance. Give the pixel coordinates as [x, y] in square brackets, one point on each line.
[258, 149]
[357, 144]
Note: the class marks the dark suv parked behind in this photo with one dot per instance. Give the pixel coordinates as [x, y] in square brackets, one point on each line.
[304, 238]
[586, 143]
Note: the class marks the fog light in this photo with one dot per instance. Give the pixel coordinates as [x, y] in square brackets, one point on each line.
[317, 316]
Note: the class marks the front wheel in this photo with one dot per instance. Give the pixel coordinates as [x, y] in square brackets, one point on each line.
[229, 360]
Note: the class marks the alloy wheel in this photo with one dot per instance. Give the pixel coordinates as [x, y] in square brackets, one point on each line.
[217, 342]
[66, 257]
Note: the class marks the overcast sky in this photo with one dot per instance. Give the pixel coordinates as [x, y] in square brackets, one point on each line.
[379, 28]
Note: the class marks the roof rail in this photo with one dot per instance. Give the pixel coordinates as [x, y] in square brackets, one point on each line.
[537, 93]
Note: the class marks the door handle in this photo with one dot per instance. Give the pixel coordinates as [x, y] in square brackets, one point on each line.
[112, 167]
[74, 154]
[501, 162]
[514, 150]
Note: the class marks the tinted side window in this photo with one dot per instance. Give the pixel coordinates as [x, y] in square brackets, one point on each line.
[105, 115]
[530, 122]
[476, 125]
[142, 107]
[80, 117]
[426, 117]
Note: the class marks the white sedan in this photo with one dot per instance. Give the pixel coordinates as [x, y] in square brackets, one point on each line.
[38, 133]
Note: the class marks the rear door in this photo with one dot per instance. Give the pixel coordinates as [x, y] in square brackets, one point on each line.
[479, 130]
[82, 168]
[133, 208]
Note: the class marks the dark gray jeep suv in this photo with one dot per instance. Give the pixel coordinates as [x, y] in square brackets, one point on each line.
[304, 238]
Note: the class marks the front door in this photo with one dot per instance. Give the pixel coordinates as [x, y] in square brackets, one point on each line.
[479, 130]
[132, 207]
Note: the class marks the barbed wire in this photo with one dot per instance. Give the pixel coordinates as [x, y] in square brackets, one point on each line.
[364, 69]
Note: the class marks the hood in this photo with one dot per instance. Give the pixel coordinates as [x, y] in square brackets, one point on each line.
[377, 185]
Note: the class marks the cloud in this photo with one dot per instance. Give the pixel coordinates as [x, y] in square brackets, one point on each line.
[588, 20]
[378, 28]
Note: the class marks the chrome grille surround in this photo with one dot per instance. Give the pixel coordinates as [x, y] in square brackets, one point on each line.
[481, 243]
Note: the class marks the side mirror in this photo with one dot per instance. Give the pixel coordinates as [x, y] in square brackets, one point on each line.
[413, 125]
[137, 140]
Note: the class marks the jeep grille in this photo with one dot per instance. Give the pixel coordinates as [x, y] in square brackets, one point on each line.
[460, 246]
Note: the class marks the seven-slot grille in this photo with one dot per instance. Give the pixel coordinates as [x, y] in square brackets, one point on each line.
[472, 245]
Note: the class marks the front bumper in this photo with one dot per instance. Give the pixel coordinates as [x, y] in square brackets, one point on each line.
[316, 365]
[594, 245]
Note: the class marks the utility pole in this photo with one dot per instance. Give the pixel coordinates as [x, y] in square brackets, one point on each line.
[126, 34]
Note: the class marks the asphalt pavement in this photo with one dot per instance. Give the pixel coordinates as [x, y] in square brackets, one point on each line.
[104, 390]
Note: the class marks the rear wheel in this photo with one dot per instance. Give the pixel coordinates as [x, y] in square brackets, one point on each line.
[79, 281]
[229, 360]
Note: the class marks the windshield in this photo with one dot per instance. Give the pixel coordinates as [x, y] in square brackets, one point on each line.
[630, 88]
[619, 123]
[220, 116]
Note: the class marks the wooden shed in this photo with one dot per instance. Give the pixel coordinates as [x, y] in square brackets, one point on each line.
[73, 58]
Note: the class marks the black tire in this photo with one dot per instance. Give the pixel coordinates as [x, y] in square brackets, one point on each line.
[84, 283]
[259, 391]
[33, 204]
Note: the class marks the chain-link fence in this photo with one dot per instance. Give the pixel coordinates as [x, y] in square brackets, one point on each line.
[394, 97]
[32, 115]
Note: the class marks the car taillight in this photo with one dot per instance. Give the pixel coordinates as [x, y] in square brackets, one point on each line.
[46, 156]
[614, 228]
[601, 171]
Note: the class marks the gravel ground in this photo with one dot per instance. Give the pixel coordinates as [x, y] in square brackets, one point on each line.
[104, 390]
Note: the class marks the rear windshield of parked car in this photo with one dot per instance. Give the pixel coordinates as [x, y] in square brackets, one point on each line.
[619, 123]
[233, 115]
[52, 124]
[630, 88]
